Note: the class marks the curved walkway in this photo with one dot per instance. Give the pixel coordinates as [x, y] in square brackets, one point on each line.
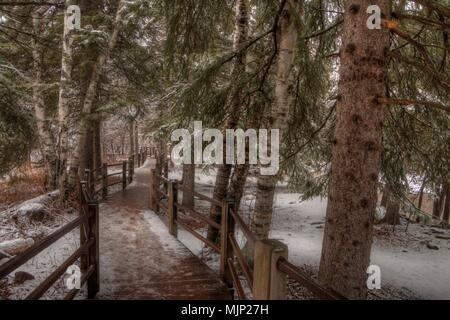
[138, 257]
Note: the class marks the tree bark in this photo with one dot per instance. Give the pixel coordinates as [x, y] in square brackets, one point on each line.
[422, 188]
[64, 107]
[131, 138]
[188, 185]
[265, 189]
[237, 183]
[91, 94]
[136, 138]
[224, 170]
[357, 148]
[384, 198]
[392, 216]
[447, 207]
[439, 203]
[87, 158]
[97, 147]
[43, 120]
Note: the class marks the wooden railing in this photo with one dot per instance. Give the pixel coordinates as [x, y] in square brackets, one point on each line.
[88, 222]
[87, 252]
[119, 157]
[101, 179]
[267, 277]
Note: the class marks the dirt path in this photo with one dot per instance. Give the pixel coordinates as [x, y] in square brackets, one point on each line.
[140, 260]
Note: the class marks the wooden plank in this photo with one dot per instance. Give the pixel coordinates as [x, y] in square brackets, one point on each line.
[172, 209]
[72, 293]
[37, 248]
[198, 215]
[242, 262]
[94, 251]
[198, 236]
[269, 283]
[303, 279]
[206, 198]
[236, 280]
[245, 229]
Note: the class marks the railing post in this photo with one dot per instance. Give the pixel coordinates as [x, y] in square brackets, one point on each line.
[124, 175]
[130, 170]
[172, 208]
[269, 283]
[88, 181]
[84, 228]
[104, 181]
[226, 250]
[93, 283]
[155, 190]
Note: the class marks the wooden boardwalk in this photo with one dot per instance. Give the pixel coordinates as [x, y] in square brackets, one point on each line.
[138, 257]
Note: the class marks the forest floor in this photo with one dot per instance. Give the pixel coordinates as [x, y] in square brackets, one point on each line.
[139, 259]
[26, 183]
[414, 259]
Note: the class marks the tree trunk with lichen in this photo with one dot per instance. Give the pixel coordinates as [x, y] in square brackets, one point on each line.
[224, 170]
[357, 148]
[131, 138]
[90, 96]
[43, 120]
[265, 190]
[64, 107]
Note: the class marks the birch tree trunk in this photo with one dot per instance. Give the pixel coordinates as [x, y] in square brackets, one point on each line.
[131, 138]
[64, 107]
[224, 171]
[136, 138]
[97, 139]
[43, 120]
[91, 94]
[265, 189]
[357, 148]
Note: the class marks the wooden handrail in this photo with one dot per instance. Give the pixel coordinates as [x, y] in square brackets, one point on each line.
[55, 275]
[242, 262]
[271, 264]
[209, 221]
[298, 275]
[198, 236]
[236, 280]
[40, 246]
[118, 164]
[114, 174]
[209, 199]
[243, 226]
[88, 250]
[72, 294]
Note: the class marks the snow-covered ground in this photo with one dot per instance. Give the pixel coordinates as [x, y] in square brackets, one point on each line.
[403, 256]
[406, 262]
